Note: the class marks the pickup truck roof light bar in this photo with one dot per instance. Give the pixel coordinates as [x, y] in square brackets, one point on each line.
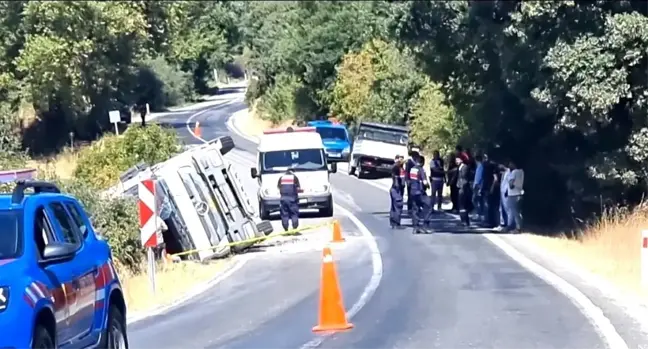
[289, 129]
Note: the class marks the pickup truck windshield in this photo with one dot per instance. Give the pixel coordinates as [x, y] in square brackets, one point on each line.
[10, 234]
[298, 160]
[332, 133]
[383, 136]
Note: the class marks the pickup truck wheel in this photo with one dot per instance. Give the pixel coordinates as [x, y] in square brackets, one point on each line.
[352, 170]
[263, 213]
[115, 335]
[42, 338]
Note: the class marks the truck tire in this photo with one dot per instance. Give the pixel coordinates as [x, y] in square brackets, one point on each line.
[351, 169]
[361, 173]
[327, 211]
[263, 213]
[42, 338]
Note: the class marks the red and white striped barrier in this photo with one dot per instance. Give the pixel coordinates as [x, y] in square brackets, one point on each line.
[151, 235]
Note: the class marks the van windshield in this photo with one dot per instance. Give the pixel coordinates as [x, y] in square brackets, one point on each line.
[298, 160]
[10, 234]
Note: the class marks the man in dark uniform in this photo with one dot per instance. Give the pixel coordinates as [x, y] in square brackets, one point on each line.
[420, 209]
[465, 190]
[411, 161]
[396, 193]
[437, 175]
[289, 189]
[451, 178]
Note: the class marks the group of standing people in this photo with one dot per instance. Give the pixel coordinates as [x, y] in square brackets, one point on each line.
[473, 183]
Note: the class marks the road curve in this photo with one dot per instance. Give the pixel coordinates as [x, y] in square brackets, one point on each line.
[445, 290]
[277, 284]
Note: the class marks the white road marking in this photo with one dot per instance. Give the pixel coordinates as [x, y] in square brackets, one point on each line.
[376, 259]
[593, 313]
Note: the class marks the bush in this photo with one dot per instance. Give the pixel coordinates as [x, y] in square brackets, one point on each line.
[286, 99]
[116, 219]
[161, 84]
[434, 124]
[101, 164]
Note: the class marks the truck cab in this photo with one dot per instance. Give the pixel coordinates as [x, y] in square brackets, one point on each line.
[335, 137]
[302, 150]
[375, 146]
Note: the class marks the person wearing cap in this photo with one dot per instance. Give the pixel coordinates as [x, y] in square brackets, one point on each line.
[396, 193]
[411, 162]
[289, 189]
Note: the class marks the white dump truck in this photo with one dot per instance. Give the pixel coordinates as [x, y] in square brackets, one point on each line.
[375, 146]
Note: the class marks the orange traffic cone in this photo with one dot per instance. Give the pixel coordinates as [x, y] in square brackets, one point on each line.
[332, 316]
[337, 232]
[197, 131]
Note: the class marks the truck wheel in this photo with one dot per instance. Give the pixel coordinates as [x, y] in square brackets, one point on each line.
[263, 213]
[361, 173]
[352, 170]
[114, 336]
[42, 338]
[327, 211]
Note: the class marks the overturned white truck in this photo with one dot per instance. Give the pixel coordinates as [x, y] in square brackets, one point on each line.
[201, 200]
[375, 146]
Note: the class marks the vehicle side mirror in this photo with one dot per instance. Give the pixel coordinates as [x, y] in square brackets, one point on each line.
[253, 172]
[56, 252]
[333, 167]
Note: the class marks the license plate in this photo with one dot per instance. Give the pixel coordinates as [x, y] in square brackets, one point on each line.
[333, 155]
[303, 201]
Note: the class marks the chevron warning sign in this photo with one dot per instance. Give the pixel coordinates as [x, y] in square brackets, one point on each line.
[151, 235]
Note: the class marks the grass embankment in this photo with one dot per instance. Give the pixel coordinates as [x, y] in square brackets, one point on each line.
[172, 280]
[609, 248]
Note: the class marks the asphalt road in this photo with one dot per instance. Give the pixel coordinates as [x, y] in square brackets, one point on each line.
[450, 289]
[277, 284]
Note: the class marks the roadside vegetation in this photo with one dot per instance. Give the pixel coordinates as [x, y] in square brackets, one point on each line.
[559, 86]
[65, 65]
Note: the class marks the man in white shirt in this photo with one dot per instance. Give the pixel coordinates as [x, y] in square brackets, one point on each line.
[504, 184]
[514, 197]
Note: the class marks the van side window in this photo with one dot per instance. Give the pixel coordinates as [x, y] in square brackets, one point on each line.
[43, 232]
[68, 229]
[76, 218]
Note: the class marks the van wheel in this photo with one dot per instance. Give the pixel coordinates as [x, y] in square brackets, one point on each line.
[42, 338]
[263, 213]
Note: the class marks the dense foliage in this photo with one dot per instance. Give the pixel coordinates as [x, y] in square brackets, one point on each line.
[559, 86]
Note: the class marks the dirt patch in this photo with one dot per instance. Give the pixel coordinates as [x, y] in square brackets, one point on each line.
[253, 124]
[172, 281]
[609, 248]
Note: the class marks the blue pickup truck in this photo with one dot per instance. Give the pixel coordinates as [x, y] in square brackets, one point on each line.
[58, 284]
[336, 139]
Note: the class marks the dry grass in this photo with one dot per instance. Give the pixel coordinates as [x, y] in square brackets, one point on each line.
[63, 164]
[172, 281]
[253, 124]
[609, 248]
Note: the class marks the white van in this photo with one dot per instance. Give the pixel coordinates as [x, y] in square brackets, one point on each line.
[299, 148]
